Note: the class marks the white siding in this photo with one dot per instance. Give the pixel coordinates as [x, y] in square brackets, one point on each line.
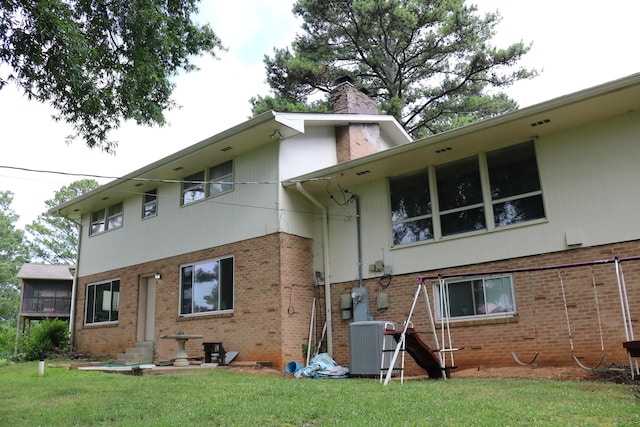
[250, 210]
[304, 153]
[589, 180]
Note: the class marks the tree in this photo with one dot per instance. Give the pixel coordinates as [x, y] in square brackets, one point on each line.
[429, 63]
[99, 63]
[55, 239]
[13, 254]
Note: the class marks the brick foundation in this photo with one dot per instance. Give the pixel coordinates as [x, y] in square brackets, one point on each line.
[490, 342]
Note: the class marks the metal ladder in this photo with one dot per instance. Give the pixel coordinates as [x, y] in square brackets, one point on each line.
[386, 362]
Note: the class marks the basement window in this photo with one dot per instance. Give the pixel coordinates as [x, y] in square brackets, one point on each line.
[476, 297]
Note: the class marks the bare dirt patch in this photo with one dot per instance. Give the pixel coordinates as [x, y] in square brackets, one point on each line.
[563, 373]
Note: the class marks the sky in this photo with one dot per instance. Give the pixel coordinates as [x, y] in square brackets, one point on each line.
[575, 45]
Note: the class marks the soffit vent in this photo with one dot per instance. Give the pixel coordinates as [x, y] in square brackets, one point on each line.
[540, 123]
[443, 150]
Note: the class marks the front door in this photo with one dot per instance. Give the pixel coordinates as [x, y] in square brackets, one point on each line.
[147, 309]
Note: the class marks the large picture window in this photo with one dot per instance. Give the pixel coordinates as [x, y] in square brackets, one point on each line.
[516, 194]
[206, 286]
[106, 219]
[478, 297]
[208, 183]
[460, 197]
[411, 208]
[103, 301]
[484, 192]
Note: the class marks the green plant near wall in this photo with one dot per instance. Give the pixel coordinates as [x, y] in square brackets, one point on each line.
[49, 336]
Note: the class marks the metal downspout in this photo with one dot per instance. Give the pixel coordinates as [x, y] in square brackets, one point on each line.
[325, 248]
[359, 238]
[74, 289]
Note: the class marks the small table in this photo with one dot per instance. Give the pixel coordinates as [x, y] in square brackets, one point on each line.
[181, 339]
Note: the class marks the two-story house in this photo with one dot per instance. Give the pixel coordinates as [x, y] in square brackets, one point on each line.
[239, 236]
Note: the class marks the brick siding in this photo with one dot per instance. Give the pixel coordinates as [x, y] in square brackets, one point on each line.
[490, 342]
[273, 293]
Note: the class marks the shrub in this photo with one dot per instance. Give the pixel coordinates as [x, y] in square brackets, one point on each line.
[49, 336]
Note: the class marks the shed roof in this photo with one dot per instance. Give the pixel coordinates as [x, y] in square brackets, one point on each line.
[46, 271]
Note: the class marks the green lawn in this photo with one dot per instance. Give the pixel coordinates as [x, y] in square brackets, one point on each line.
[219, 397]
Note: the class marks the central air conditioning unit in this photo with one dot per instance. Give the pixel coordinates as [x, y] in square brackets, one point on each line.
[367, 339]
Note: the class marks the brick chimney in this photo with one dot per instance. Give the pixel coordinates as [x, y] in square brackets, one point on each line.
[355, 139]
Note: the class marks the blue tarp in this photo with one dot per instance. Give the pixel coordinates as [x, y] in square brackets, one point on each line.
[322, 366]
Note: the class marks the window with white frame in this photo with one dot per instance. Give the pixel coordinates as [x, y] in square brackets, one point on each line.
[102, 302]
[106, 219]
[208, 183]
[206, 286]
[484, 192]
[475, 297]
[150, 204]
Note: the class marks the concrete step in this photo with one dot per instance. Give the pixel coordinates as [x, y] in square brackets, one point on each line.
[140, 353]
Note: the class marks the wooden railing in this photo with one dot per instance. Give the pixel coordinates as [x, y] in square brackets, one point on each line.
[46, 305]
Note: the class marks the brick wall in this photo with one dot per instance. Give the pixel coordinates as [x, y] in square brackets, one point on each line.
[272, 274]
[357, 140]
[490, 342]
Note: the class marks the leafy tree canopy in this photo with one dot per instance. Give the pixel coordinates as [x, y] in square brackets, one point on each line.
[55, 239]
[13, 254]
[429, 63]
[99, 63]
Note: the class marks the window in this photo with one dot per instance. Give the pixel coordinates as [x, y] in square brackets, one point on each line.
[516, 194]
[150, 204]
[206, 286]
[460, 197]
[220, 179]
[483, 192]
[478, 297]
[411, 208]
[212, 182]
[103, 301]
[106, 219]
[193, 188]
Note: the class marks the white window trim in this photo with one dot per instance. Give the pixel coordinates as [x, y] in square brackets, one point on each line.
[435, 286]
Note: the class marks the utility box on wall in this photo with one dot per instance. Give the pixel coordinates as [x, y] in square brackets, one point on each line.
[366, 342]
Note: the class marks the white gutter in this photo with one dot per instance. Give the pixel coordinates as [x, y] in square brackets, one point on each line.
[327, 275]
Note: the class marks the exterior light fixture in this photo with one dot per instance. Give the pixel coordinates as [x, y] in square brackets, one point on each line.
[157, 276]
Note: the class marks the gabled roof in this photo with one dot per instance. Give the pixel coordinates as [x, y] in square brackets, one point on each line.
[244, 137]
[565, 112]
[46, 271]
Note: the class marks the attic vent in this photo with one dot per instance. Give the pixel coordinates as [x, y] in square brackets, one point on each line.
[363, 172]
[443, 150]
[138, 184]
[105, 198]
[540, 123]
[179, 168]
[226, 149]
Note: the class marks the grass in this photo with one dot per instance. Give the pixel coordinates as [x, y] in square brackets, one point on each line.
[219, 397]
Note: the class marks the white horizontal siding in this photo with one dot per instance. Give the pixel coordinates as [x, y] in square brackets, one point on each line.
[589, 180]
[250, 210]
